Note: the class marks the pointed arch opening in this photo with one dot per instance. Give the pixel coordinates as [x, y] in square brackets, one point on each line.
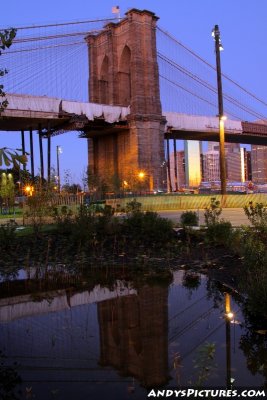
[103, 82]
[124, 77]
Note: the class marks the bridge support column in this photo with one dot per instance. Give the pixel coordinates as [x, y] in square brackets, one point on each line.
[32, 155]
[23, 147]
[41, 154]
[48, 157]
[124, 71]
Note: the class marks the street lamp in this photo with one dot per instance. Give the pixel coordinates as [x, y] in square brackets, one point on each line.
[218, 48]
[59, 151]
[141, 175]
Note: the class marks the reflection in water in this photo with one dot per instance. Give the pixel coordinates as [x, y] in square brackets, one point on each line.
[254, 345]
[134, 335]
[69, 343]
[228, 318]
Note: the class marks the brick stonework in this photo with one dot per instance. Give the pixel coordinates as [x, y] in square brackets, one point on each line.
[124, 71]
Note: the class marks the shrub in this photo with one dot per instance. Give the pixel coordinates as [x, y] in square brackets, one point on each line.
[147, 229]
[213, 212]
[220, 232]
[63, 218]
[257, 214]
[189, 218]
[38, 209]
[7, 234]
[133, 206]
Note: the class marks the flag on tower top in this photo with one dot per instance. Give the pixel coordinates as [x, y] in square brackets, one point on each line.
[115, 10]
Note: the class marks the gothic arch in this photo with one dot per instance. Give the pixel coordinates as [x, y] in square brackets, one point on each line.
[103, 82]
[124, 77]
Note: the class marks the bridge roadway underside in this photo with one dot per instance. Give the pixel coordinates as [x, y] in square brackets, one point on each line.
[58, 123]
[230, 137]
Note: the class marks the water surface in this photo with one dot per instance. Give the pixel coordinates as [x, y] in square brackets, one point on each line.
[118, 342]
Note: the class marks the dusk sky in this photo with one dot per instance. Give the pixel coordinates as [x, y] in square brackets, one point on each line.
[243, 31]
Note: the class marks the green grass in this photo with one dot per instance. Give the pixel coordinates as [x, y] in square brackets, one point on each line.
[18, 212]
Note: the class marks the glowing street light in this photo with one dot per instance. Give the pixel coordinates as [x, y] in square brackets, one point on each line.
[141, 175]
[28, 189]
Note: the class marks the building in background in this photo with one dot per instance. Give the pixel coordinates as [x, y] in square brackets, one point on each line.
[193, 151]
[259, 164]
[210, 166]
[246, 171]
[180, 159]
[235, 168]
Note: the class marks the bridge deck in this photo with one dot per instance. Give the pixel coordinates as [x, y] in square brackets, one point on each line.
[57, 115]
[32, 112]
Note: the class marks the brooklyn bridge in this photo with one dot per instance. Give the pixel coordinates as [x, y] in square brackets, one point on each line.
[134, 68]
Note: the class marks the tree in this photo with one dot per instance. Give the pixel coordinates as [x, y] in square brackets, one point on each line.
[6, 38]
[8, 156]
[7, 190]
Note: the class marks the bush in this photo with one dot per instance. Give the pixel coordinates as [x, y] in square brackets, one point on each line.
[38, 209]
[189, 218]
[7, 235]
[213, 212]
[133, 206]
[63, 218]
[147, 229]
[257, 214]
[220, 232]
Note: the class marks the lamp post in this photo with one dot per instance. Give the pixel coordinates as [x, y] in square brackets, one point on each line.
[59, 151]
[218, 48]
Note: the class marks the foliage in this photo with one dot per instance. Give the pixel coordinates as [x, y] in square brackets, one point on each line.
[212, 212]
[38, 208]
[9, 379]
[147, 229]
[257, 214]
[63, 217]
[7, 235]
[83, 226]
[191, 280]
[219, 232]
[189, 218]
[254, 280]
[74, 188]
[133, 206]
[97, 185]
[255, 287]
[253, 249]
[10, 157]
[7, 189]
[254, 345]
[204, 363]
[6, 38]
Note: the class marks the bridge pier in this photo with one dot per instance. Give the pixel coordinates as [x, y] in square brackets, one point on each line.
[23, 147]
[124, 71]
[41, 153]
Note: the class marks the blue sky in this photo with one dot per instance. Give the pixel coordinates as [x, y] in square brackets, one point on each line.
[243, 30]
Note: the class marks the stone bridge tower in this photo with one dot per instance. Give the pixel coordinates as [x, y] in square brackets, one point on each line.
[124, 71]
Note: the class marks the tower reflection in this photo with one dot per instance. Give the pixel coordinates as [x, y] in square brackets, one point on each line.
[134, 335]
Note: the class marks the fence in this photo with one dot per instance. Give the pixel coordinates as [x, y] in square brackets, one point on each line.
[185, 202]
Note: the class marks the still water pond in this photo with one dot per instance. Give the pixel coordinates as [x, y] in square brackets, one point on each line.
[114, 343]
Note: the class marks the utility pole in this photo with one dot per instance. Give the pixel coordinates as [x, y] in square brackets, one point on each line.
[218, 48]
